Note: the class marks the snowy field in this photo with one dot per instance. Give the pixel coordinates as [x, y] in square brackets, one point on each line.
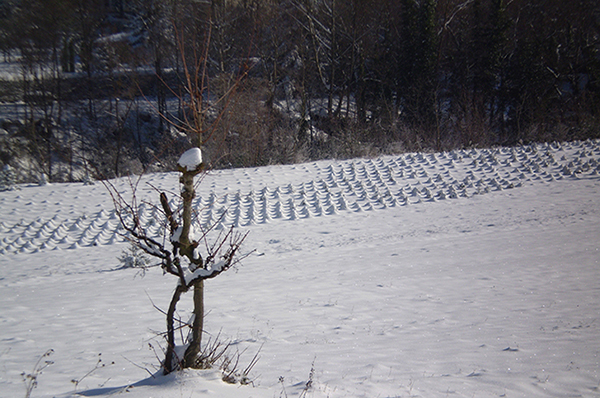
[471, 273]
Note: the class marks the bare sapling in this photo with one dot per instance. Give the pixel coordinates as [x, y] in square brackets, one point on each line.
[188, 254]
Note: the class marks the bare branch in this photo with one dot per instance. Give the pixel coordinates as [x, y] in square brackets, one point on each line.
[167, 209]
[226, 260]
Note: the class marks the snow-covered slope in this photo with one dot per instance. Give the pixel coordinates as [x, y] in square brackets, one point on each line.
[468, 273]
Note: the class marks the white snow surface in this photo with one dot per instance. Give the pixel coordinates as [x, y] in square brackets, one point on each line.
[470, 273]
[191, 159]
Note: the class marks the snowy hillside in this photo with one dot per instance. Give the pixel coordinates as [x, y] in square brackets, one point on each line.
[467, 273]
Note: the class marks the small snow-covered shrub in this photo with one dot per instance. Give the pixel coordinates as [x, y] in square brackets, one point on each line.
[43, 180]
[88, 179]
[8, 179]
[217, 354]
[134, 257]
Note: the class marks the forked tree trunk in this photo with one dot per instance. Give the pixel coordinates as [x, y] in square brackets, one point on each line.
[185, 250]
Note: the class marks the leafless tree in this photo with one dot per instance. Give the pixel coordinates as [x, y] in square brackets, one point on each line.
[180, 251]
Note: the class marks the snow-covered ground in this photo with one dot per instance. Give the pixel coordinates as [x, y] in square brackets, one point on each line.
[471, 273]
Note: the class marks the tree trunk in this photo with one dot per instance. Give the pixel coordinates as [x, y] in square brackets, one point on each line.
[186, 248]
[161, 97]
[187, 194]
[171, 362]
[191, 354]
[119, 140]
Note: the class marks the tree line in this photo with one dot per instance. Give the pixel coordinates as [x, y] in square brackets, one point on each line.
[102, 83]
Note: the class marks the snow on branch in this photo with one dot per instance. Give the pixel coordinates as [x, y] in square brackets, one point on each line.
[218, 261]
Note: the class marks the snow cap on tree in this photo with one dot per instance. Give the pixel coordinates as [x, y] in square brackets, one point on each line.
[191, 160]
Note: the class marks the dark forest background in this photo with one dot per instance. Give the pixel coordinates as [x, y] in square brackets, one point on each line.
[100, 86]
